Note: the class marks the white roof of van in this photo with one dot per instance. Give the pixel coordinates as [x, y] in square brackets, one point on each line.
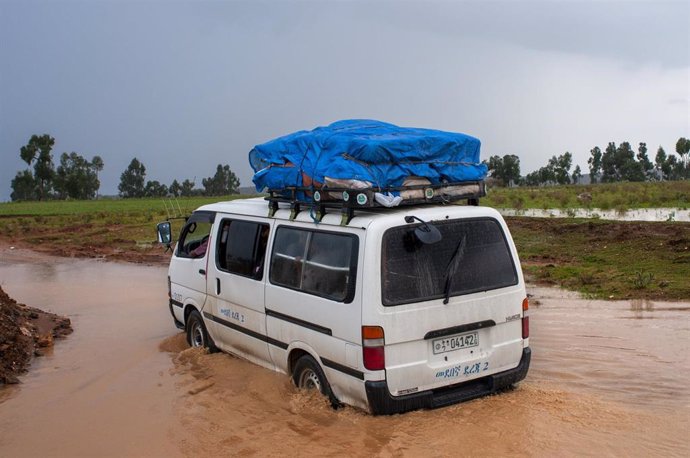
[258, 207]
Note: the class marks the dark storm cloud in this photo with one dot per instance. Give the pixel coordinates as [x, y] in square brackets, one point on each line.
[187, 85]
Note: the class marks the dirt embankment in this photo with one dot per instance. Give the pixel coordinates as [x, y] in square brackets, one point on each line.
[25, 332]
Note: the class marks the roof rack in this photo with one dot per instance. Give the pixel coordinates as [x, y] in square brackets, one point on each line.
[320, 200]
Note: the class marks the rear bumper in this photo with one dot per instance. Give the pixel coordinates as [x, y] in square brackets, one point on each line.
[381, 402]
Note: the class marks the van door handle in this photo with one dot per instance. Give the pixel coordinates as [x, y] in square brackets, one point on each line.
[202, 271]
[217, 286]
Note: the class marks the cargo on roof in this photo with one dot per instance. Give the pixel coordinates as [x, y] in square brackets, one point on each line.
[366, 154]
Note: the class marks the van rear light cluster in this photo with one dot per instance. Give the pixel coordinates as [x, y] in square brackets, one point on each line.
[525, 318]
[373, 348]
[169, 288]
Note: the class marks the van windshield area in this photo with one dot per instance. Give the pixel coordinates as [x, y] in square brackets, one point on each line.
[472, 256]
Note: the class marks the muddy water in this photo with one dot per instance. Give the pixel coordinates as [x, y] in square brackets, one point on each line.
[607, 379]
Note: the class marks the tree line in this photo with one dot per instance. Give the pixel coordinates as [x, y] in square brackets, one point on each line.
[77, 178]
[615, 163]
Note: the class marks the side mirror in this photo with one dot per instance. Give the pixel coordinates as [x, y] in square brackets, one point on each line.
[164, 233]
[427, 233]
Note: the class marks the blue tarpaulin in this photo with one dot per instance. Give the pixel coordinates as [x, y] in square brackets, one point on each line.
[372, 151]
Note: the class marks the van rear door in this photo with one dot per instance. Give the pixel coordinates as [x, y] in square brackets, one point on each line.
[451, 310]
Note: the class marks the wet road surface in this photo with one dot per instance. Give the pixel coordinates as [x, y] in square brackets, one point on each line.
[607, 378]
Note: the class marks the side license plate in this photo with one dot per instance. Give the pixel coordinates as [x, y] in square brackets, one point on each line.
[455, 343]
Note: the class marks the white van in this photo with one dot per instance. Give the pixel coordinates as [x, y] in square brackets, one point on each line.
[399, 309]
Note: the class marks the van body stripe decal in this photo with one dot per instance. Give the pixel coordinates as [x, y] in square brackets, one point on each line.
[344, 369]
[176, 303]
[298, 322]
[246, 331]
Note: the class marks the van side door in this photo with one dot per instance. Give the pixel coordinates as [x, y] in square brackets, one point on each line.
[188, 271]
[236, 287]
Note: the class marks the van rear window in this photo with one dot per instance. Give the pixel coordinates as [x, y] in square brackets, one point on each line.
[472, 256]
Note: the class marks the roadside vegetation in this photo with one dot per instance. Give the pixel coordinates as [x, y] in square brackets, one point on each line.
[606, 259]
[604, 196]
[120, 229]
[602, 259]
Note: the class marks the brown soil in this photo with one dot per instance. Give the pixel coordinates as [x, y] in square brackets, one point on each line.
[154, 255]
[25, 332]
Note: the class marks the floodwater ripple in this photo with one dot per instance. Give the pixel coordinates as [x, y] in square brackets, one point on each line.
[607, 378]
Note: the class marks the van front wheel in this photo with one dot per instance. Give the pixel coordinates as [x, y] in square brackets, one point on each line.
[308, 375]
[197, 336]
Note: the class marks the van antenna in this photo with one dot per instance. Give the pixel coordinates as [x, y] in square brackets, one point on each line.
[170, 210]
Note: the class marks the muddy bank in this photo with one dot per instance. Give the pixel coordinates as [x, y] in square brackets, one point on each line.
[25, 332]
[73, 247]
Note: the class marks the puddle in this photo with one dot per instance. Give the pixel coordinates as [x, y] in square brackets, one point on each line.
[638, 214]
[607, 378]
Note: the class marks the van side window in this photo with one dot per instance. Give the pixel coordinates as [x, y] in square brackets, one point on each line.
[195, 234]
[242, 248]
[319, 263]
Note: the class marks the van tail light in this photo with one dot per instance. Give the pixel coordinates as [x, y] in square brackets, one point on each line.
[373, 348]
[169, 288]
[525, 318]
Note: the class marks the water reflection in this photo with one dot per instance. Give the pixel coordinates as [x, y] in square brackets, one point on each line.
[638, 214]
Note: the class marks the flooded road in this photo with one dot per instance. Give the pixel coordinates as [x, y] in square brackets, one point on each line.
[607, 378]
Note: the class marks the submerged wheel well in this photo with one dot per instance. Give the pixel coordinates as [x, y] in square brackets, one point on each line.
[293, 357]
[188, 309]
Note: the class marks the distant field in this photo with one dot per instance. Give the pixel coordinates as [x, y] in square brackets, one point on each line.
[605, 196]
[599, 258]
[116, 206]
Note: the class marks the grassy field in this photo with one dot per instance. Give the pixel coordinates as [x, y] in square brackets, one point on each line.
[606, 259]
[121, 229]
[605, 196]
[603, 259]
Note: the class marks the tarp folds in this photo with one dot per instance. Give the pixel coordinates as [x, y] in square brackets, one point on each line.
[381, 154]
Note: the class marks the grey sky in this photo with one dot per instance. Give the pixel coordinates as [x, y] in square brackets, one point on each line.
[184, 86]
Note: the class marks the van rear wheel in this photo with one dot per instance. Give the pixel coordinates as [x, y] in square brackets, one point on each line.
[307, 375]
[197, 336]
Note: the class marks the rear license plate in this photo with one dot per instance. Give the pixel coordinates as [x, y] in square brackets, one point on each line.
[455, 343]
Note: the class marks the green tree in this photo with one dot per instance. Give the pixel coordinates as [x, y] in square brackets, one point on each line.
[132, 180]
[155, 189]
[97, 165]
[187, 188]
[683, 150]
[609, 171]
[175, 189]
[660, 162]
[577, 174]
[222, 183]
[23, 186]
[629, 168]
[594, 164]
[505, 169]
[76, 177]
[643, 159]
[38, 152]
[672, 168]
[561, 167]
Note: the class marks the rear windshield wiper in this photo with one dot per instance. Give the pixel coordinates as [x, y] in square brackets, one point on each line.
[453, 267]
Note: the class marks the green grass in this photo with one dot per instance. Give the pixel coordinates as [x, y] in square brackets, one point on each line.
[602, 259]
[110, 206]
[120, 223]
[606, 259]
[606, 196]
